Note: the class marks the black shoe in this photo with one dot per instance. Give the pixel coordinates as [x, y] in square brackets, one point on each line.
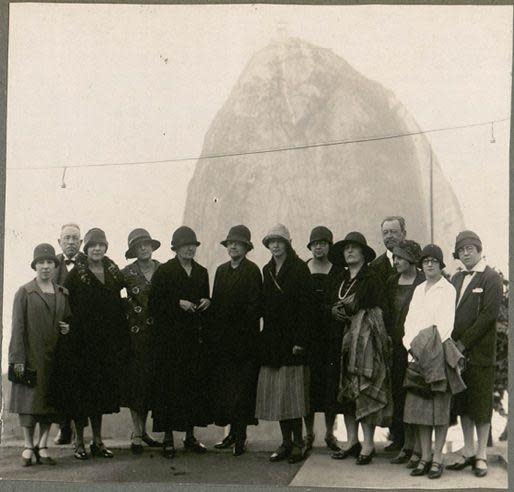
[332, 443]
[43, 460]
[100, 450]
[365, 459]
[393, 447]
[239, 447]
[80, 453]
[281, 453]
[194, 445]
[150, 442]
[297, 453]
[422, 468]
[354, 451]
[228, 442]
[403, 457]
[168, 450]
[480, 472]
[436, 470]
[63, 436]
[468, 461]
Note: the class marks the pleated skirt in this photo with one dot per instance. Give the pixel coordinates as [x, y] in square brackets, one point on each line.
[282, 393]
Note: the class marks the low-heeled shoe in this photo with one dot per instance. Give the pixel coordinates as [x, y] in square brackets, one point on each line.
[365, 459]
[194, 445]
[332, 443]
[436, 470]
[281, 453]
[354, 451]
[100, 450]
[239, 448]
[297, 453]
[468, 461]
[226, 443]
[403, 457]
[150, 442]
[421, 470]
[480, 472]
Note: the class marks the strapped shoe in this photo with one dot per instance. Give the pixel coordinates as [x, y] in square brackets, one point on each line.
[460, 465]
[480, 472]
[436, 470]
[354, 451]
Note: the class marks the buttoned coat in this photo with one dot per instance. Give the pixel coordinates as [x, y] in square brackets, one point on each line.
[476, 315]
[235, 314]
[35, 331]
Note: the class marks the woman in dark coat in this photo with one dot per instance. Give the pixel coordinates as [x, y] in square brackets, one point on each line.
[322, 270]
[40, 312]
[356, 288]
[235, 312]
[138, 387]
[178, 300]
[283, 385]
[400, 287]
[101, 342]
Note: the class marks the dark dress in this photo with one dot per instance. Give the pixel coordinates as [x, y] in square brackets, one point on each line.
[320, 341]
[235, 314]
[92, 357]
[138, 388]
[399, 297]
[365, 291]
[181, 396]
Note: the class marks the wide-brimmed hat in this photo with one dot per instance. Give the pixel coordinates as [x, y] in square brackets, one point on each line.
[94, 236]
[183, 236]
[278, 231]
[433, 251]
[320, 233]
[239, 233]
[408, 250]
[336, 254]
[44, 251]
[137, 236]
[466, 238]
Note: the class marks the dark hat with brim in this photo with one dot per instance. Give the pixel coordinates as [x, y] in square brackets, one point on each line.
[336, 254]
[432, 251]
[42, 252]
[466, 238]
[320, 233]
[408, 250]
[136, 237]
[239, 233]
[94, 236]
[183, 236]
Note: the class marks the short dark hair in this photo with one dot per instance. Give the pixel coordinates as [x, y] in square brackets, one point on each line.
[400, 220]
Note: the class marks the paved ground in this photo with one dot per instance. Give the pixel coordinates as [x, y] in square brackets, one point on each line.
[253, 468]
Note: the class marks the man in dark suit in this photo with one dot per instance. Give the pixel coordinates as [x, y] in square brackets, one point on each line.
[69, 242]
[479, 292]
[393, 231]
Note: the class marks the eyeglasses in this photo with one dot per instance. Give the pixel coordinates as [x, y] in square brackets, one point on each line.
[466, 249]
[430, 261]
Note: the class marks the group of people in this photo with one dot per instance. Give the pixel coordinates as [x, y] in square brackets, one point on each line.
[386, 341]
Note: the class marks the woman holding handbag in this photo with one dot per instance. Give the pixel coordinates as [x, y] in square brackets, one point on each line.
[39, 314]
[288, 306]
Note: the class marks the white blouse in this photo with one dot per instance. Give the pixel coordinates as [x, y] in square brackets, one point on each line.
[435, 306]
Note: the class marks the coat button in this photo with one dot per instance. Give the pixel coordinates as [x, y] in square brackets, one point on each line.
[134, 329]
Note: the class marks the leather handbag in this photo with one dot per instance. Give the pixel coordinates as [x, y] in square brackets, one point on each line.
[28, 378]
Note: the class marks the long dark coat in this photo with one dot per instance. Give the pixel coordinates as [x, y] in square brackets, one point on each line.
[288, 311]
[382, 267]
[235, 314]
[319, 344]
[181, 396]
[138, 385]
[369, 291]
[91, 361]
[35, 331]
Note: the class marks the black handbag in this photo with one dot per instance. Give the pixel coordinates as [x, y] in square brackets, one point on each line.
[28, 378]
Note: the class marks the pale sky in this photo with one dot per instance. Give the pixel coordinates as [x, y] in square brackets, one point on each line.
[114, 83]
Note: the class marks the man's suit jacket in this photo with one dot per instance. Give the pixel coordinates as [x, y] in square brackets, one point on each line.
[383, 267]
[476, 314]
[61, 272]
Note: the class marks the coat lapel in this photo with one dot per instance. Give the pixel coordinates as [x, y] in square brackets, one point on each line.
[34, 287]
[236, 276]
[59, 302]
[474, 281]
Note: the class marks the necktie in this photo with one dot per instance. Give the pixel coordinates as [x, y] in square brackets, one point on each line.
[468, 272]
[69, 261]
